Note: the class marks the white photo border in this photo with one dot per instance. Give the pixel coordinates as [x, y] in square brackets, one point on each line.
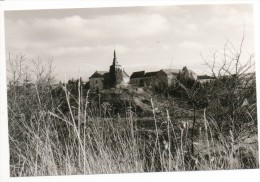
[227, 175]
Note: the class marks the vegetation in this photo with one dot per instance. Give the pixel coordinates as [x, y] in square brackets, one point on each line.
[68, 130]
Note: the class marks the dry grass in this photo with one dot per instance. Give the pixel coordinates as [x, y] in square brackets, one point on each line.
[45, 141]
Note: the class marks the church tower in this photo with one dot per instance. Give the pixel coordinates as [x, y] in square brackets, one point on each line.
[115, 73]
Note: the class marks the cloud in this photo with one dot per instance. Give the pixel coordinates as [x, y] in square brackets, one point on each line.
[84, 39]
[230, 17]
[78, 30]
[190, 45]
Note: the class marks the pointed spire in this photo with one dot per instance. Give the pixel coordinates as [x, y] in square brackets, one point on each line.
[114, 53]
[114, 60]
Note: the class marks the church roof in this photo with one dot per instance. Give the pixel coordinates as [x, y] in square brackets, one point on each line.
[125, 74]
[115, 62]
[138, 74]
[98, 74]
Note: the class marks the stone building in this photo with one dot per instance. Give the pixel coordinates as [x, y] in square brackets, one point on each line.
[205, 78]
[117, 75]
[170, 75]
[114, 78]
[160, 79]
[150, 78]
[136, 78]
[96, 81]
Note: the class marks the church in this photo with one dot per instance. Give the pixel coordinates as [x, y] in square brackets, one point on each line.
[116, 77]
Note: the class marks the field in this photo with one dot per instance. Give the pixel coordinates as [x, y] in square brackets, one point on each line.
[68, 130]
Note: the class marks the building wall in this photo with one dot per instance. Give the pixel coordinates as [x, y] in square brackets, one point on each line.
[172, 79]
[160, 80]
[204, 80]
[96, 84]
[137, 81]
[126, 80]
[148, 81]
[119, 75]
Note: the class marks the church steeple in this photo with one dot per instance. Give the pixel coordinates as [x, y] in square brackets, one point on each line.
[114, 60]
[115, 72]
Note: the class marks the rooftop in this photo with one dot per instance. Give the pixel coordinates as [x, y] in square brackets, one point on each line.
[151, 74]
[205, 77]
[98, 74]
[138, 74]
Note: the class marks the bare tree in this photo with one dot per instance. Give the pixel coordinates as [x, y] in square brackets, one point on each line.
[16, 70]
[29, 83]
[233, 85]
[43, 73]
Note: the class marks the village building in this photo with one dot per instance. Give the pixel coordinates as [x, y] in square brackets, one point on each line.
[137, 78]
[170, 75]
[150, 79]
[205, 78]
[160, 79]
[97, 80]
[116, 77]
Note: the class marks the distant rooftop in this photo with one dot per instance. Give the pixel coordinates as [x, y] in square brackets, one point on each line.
[150, 74]
[200, 77]
[98, 74]
[125, 74]
[138, 74]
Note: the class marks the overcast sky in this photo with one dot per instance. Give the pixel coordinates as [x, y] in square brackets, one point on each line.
[81, 41]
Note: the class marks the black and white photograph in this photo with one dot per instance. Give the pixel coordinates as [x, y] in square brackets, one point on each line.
[138, 89]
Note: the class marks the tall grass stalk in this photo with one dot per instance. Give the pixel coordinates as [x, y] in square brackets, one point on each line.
[169, 140]
[157, 144]
[207, 137]
[48, 141]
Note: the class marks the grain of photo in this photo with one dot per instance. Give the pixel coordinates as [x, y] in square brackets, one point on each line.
[131, 89]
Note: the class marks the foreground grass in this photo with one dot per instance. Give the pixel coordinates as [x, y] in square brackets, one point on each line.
[49, 142]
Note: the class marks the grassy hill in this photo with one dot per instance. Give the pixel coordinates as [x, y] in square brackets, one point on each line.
[66, 131]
